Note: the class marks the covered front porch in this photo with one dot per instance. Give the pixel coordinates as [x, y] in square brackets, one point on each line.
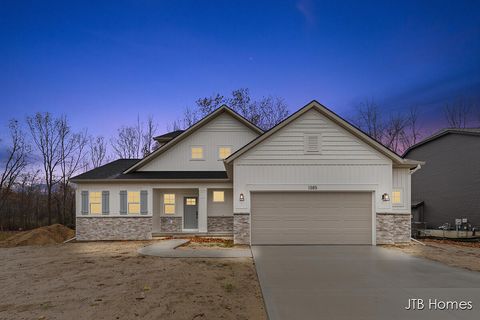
[192, 211]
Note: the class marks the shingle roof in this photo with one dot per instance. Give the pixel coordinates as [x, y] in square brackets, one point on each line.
[441, 133]
[114, 171]
[169, 135]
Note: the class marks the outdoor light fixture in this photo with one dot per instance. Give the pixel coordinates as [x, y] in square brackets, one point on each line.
[385, 197]
[242, 197]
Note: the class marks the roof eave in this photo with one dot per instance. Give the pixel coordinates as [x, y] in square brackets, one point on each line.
[147, 180]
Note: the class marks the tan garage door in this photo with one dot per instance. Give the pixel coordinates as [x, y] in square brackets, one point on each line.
[311, 218]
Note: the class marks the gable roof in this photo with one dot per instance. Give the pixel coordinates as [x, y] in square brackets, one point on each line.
[443, 132]
[397, 159]
[191, 130]
[113, 171]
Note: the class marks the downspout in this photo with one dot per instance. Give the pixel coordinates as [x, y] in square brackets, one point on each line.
[418, 167]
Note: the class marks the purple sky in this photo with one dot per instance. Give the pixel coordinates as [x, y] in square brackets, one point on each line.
[103, 63]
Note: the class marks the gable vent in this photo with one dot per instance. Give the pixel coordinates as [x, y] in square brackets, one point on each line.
[312, 143]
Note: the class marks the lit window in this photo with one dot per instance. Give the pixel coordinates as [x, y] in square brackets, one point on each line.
[224, 152]
[197, 153]
[95, 202]
[396, 197]
[191, 201]
[169, 203]
[134, 202]
[218, 196]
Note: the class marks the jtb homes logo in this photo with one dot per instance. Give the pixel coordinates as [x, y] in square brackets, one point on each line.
[436, 304]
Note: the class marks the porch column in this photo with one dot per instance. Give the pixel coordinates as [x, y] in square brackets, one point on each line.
[202, 210]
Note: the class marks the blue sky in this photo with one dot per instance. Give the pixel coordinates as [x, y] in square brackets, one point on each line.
[102, 63]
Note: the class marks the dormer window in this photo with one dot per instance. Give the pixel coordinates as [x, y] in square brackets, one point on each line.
[197, 153]
[224, 152]
[312, 143]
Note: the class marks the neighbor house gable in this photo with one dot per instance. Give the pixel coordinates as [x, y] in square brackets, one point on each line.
[223, 127]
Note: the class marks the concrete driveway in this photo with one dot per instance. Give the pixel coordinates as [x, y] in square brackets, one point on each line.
[359, 282]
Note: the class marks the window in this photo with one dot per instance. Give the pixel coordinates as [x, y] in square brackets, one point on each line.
[396, 197]
[312, 143]
[224, 152]
[169, 203]
[134, 202]
[191, 201]
[218, 196]
[197, 153]
[95, 202]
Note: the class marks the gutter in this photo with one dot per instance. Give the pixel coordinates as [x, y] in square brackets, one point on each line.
[418, 167]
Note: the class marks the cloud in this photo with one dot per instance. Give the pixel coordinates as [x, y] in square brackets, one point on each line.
[305, 7]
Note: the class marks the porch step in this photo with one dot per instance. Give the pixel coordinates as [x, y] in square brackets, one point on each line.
[186, 234]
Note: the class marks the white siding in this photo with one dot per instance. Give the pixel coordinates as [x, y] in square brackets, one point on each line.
[224, 130]
[402, 181]
[219, 209]
[344, 163]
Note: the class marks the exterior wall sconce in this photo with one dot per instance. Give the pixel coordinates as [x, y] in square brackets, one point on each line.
[242, 197]
[385, 197]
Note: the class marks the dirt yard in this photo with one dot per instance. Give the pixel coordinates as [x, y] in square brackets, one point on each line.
[109, 280]
[457, 254]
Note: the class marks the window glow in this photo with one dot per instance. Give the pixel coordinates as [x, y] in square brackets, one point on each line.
[197, 152]
[224, 152]
[169, 203]
[134, 202]
[218, 196]
[191, 201]
[396, 197]
[95, 202]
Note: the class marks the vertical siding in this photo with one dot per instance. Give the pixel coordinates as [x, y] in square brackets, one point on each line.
[216, 209]
[224, 130]
[401, 181]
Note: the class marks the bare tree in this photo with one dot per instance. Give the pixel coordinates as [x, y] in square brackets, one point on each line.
[147, 136]
[127, 143]
[457, 113]
[47, 138]
[369, 119]
[411, 134]
[98, 151]
[394, 130]
[265, 112]
[72, 157]
[15, 163]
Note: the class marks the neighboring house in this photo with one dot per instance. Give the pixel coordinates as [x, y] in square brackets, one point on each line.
[448, 188]
[312, 179]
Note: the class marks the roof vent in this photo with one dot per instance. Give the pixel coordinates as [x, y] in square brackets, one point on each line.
[312, 143]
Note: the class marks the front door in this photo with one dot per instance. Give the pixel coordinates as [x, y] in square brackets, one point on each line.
[190, 213]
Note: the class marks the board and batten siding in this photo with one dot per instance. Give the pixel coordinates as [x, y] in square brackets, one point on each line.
[402, 181]
[344, 163]
[223, 130]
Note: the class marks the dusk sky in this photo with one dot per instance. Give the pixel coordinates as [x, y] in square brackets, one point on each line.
[102, 63]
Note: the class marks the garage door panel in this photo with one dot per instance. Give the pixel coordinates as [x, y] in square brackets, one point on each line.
[311, 218]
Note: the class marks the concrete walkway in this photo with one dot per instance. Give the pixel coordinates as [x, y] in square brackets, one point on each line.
[168, 249]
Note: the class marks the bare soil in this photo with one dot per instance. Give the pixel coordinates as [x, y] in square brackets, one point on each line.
[453, 253]
[56, 233]
[109, 280]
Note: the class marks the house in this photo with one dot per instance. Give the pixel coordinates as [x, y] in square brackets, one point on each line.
[448, 188]
[312, 179]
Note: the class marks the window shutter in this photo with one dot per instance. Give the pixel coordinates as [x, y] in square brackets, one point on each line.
[105, 202]
[84, 209]
[144, 202]
[123, 202]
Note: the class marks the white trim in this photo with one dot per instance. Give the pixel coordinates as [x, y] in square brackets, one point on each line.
[183, 213]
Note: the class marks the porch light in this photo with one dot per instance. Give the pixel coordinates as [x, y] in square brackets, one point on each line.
[385, 197]
[242, 197]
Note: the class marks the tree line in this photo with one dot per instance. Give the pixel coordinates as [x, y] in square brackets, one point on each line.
[43, 152]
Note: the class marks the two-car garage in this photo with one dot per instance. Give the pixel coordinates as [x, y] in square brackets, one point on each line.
[311, 218]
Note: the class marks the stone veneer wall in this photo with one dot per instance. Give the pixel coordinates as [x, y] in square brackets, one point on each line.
[113, 228]
[171, 224]
[393, 228]
[241, 228]
[220, 224]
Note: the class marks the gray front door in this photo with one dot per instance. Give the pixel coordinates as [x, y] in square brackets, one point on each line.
[190, 213]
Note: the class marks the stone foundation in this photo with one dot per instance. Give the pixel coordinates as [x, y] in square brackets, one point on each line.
[113, 228]
[241, 228]
[171, 224]
[220, 224]
[393, 228]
